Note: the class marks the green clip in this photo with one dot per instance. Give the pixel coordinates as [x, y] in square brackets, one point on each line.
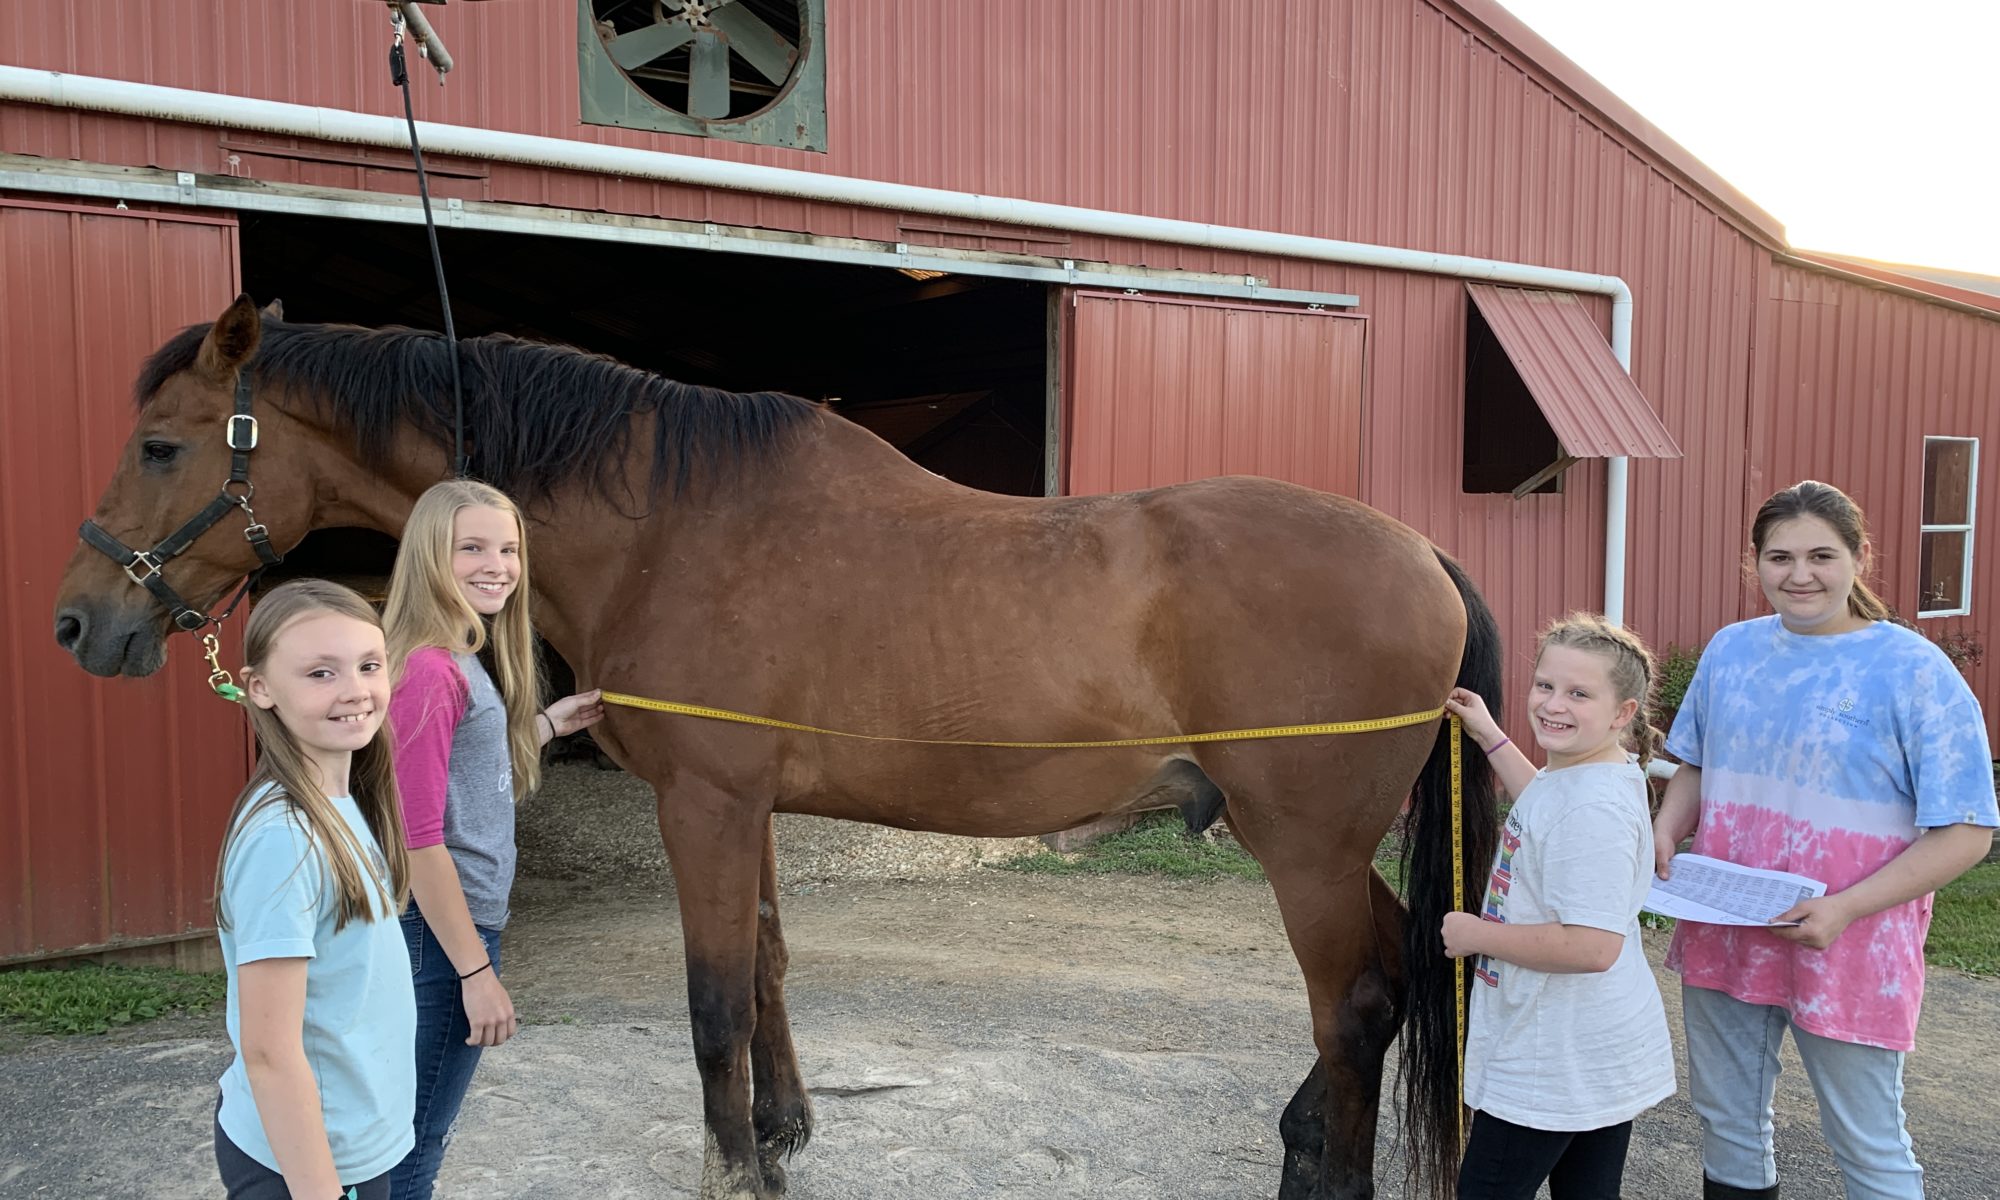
[234, 694]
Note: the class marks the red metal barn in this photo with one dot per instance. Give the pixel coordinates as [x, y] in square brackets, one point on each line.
[1382, 247]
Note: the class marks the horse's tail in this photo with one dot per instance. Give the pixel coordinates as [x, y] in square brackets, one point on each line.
[1431, 1086]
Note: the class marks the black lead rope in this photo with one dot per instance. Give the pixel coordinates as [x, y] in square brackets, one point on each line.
[399, 74]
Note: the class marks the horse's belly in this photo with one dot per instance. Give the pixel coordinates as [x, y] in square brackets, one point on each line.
[984, 793]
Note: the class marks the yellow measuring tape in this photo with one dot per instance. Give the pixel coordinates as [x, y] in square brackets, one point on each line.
[1458, 898]
[1325, 728]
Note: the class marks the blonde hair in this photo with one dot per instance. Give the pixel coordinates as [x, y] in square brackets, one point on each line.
[426, 608]
[285, 776]
[1628, 662]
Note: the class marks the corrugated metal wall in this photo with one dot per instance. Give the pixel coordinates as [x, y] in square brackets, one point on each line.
[1851, 379]
[1165, 391]
[1404, 122]
[112, 792]
[1394, 121]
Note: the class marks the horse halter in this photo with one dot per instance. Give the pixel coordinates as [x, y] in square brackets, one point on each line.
[143, 566]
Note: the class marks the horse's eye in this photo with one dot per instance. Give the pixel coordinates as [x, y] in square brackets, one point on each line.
[161, 452]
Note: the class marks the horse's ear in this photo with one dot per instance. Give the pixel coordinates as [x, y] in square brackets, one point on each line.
[275, 310]
[231, 341]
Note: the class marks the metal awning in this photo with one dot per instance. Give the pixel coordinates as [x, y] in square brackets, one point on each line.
[1595, 408]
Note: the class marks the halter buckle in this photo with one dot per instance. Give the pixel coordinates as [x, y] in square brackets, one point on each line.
[141, 558]
[242, 437]
[255, 533]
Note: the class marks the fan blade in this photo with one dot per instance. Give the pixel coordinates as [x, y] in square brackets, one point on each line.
[641, 46]
[758, 43]
[708, 77]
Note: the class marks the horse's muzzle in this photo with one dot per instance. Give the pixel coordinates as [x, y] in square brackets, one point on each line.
[111, 643]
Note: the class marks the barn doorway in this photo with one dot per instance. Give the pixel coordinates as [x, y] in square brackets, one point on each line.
[951, 369]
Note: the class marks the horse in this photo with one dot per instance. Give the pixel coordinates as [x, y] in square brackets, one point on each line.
[759, 553]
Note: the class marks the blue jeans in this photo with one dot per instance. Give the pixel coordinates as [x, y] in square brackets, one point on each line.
[444, 1062]
[1733, 1073]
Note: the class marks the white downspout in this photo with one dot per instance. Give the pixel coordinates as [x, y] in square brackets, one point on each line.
[1617, 481]
[60, 90]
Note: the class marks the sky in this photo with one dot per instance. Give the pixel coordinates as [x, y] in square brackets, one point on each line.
[1862, 134]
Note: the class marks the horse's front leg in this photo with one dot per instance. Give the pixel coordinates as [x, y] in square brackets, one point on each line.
[782, 1112]
[715, 843]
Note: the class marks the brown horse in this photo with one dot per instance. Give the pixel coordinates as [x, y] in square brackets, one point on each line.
[758, 553]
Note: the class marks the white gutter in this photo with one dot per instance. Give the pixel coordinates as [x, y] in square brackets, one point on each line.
[59, 90]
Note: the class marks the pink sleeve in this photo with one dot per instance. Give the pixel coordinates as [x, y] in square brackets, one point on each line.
[424, 711]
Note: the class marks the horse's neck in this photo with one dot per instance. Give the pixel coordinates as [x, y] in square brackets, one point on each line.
[582, 545]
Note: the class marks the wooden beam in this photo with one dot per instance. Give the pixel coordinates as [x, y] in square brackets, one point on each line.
[1542, 476]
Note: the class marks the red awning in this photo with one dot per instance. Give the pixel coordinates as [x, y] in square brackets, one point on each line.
[1591, 403]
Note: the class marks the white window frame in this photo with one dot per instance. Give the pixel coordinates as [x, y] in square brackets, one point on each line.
[1971, 515]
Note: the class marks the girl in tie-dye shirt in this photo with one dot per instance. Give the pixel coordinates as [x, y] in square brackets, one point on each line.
[1833, 743]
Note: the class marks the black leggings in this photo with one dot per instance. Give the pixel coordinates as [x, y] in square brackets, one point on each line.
[244, 1178]
[1505, 1161]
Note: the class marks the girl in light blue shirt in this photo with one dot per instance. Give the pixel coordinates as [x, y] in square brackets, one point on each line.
[318, 1102]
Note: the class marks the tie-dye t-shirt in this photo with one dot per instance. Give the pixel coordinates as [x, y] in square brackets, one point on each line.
[1825, 755]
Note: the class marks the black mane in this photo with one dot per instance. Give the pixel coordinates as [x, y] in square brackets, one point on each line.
[536, 415]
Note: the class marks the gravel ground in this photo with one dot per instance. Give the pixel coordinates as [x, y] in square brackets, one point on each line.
[589, 822]
[965, 1033]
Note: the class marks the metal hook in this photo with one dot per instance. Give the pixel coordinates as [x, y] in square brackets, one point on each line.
[219, 680]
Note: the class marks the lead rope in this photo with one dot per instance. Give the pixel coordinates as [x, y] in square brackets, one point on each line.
[399, 74]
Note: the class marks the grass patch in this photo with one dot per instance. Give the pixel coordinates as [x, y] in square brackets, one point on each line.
[1158, 845]
[1965, 926]
[93, 999]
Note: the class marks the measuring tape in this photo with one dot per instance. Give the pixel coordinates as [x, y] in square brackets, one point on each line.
[1321, 729]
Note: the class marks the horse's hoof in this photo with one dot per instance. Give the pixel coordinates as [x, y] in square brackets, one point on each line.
[787, 1138]
[723, 1181]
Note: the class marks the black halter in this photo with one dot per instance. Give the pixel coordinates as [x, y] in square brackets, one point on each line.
[143, 566]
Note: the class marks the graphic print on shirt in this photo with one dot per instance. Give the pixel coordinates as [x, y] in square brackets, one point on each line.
[1488, 971]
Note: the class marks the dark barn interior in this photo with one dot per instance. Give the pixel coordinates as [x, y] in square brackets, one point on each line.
[952, 369]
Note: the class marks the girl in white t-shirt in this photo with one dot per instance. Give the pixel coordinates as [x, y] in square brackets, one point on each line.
[1568, 1040]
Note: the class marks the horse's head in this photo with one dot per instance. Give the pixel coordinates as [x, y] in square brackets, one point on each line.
[180, 458]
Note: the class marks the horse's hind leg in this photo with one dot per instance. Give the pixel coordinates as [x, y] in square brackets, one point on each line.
[1303, 1128]
[781, 1111]
[1344, 924]
[715, 843]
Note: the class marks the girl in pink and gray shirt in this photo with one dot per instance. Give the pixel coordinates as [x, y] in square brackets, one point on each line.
[468, 749]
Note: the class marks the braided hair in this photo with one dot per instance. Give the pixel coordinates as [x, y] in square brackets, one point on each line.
[1630, 666]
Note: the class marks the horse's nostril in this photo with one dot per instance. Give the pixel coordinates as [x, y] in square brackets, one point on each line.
[69, 631]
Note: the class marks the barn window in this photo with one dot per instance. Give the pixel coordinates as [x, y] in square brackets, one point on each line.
[1544, 391]
[1509, 444]
[746, 70]
[1944, 566]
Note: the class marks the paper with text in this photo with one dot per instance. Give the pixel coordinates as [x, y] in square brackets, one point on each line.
[1715, 892]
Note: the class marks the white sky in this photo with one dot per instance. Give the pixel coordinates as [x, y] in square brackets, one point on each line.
[1863, 133]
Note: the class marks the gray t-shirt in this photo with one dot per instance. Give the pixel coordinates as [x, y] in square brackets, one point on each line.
[456, 775]
[1571, 1052]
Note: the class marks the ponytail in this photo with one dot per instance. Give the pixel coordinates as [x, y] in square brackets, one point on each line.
[1864, 603]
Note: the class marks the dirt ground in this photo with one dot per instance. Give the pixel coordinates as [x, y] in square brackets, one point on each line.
[968, 1033]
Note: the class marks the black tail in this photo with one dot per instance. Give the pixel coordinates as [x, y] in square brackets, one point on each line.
[1431, 1085]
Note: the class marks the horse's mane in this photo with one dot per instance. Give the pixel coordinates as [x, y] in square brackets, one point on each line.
[536, 415]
